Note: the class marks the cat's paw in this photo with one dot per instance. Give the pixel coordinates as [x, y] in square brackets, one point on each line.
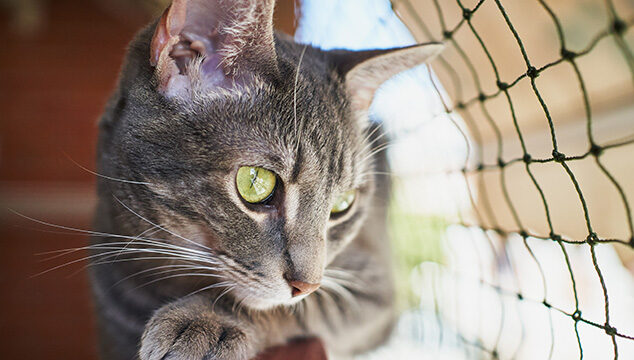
[194, 333]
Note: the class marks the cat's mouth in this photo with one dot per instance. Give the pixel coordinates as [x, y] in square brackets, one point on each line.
[265, 297]
[258, 285]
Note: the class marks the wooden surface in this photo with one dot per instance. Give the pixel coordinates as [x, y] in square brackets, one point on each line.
[308, 349]
[47, 316]
[55, 76]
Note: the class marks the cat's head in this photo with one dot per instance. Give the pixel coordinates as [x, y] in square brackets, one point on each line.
[255, 148]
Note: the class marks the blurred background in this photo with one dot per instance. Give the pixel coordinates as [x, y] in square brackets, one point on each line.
[479, 272]
[60, 61]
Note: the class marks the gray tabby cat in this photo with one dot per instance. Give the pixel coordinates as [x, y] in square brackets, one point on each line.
[243, 181]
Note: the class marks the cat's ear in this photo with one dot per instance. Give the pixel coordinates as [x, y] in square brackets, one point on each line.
[364, 71]
[205, 44]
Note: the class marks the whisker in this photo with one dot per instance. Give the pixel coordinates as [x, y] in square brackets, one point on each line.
[174, 276]
[370, 143]
[213, 286]
[368, 136]
[213, 306]
[297, 128]
[375, 151]
[96, 233]
[237, 308]
[185, 267]
[173, 267]
[137, 259]
[348, 279]
[342, 273]
[179, 255]
[131, 251]
[326, 296]
[341, 291]
[141, 234]
[113, 246]
[105, 176]
[348, 284]
[160, 227]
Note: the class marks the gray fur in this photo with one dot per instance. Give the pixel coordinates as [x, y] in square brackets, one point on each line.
[184, 155]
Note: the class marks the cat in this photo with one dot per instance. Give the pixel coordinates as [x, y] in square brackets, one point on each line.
[243, 194]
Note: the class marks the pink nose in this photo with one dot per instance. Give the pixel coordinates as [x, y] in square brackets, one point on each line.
[302, 288]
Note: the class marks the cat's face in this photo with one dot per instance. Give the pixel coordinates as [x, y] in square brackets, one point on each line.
[263, 163]
[192, 159]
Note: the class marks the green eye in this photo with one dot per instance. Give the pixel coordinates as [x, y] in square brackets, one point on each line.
[343, 201]
[255, 184]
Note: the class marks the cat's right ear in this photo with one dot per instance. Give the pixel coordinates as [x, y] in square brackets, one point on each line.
[364, 71]
[203, 45]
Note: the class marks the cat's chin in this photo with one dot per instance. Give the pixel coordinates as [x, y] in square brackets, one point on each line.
[263, 303]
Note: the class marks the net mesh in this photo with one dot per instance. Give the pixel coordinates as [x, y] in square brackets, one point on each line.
[472, 105]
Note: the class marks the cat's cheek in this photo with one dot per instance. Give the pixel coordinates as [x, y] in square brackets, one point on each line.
[204, 236]
[187, 234]
[342, 233]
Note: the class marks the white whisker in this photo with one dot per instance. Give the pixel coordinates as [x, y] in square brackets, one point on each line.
[97, 233]
[172, 267]
[160, 227]
[100, 262]
[221, 295]
[105, 176]
[175, 276]
[297, 128]
[141, 234]
[341, 291]
[213, 286]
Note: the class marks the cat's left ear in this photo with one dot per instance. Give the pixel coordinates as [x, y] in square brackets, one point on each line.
[210, 44]
[364, 71]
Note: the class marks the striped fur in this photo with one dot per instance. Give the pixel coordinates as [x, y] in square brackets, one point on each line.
[184, 269]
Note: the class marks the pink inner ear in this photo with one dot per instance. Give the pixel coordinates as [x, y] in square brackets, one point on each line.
[187, 30]
[171, 24]
[227, 42]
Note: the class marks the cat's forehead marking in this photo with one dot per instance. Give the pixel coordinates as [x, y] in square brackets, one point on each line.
[292, 203]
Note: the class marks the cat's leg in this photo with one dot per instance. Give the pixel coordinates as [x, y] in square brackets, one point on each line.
[194, 329]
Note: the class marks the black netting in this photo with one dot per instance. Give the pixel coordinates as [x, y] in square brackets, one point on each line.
[472, 107]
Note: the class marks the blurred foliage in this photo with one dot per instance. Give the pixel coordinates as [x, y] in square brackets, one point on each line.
[415, 238]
